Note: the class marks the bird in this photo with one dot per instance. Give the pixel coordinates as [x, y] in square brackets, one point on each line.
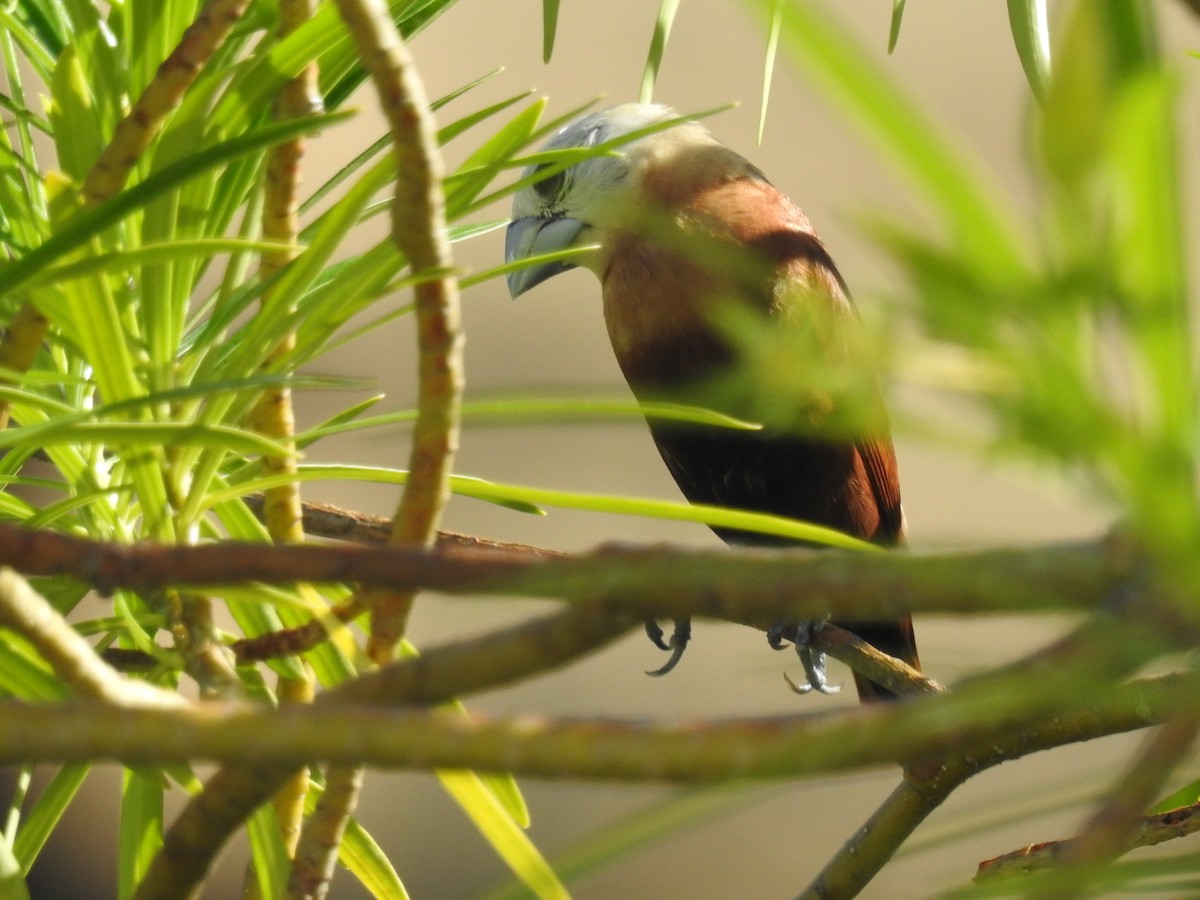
[656, 182]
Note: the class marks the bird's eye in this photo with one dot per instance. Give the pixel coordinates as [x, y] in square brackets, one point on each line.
[552, 187]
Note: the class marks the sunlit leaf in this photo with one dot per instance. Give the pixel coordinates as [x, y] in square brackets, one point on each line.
[503, 834]
[658, 48]
[665, 819]
[773, 29]
[1031, 36]
[532, 499]
[40, 821]
[549, 27]
[271, 860]
[140, 833]
[87, 224]
[897, 21]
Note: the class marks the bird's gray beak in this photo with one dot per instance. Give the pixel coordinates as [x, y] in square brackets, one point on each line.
[534, 236]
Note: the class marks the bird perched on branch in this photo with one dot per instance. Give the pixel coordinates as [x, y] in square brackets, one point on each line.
[683, 228]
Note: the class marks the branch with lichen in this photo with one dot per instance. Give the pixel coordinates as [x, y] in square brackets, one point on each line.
[789, 746]
[273, 415]
[750, 587]
[419, 230]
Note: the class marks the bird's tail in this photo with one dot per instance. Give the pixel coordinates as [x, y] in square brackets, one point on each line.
[893, 638]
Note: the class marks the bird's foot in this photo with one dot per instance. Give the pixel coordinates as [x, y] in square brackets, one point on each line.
[680, 635]
[800, 635]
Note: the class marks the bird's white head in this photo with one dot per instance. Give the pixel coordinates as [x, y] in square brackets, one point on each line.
[570, 208]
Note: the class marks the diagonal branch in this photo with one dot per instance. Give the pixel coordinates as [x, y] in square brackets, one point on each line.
[1100, 651]
[1114, 823]
[200, 831]
[24, 611]
[1148, 831]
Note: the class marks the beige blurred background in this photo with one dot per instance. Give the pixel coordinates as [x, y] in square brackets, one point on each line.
[958, 59]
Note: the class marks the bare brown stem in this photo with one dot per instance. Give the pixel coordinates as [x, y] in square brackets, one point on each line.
[274, 416]
[318, 850]
[772, 747]
[236, 791]
[753, 587]
[1147, 832]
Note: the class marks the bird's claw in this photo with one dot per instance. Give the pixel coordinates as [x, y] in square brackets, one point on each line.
[812, 659]
[680, 636]
[776, 636]
[656, 635]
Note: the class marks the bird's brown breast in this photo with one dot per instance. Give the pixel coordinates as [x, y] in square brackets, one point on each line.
[658, 305]
[730, 241]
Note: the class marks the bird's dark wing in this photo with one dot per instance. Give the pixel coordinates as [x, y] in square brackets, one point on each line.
[658, 306]
[851, 488]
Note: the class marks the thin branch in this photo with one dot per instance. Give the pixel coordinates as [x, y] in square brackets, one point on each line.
[329, 521]
[466, 667]
[1108, 832]
[419, 230]
[273, 415]
[854, 866]
[317, 855]
[205, 658]
[872, 663]
[24, 611]
[1099, 652]
[1147, 832]
[753, 587]
[293, 641]
[857, 863]
[200, 831]
[192, 842]
[772, 747]
[174, 76]
[289, 799]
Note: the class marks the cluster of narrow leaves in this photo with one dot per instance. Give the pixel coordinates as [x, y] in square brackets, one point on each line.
[131, 412]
